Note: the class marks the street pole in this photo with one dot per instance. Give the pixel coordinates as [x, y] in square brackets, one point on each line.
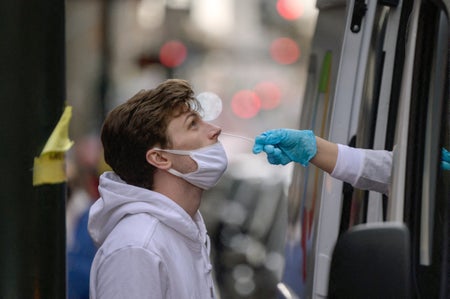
[105, 57]
[32, 91]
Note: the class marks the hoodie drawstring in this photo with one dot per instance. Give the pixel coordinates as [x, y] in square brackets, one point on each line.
[208, 266]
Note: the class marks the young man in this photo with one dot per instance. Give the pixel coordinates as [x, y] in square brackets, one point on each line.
[363, 168]
[152, 239]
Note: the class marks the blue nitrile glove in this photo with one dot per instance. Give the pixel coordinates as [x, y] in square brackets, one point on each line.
[286, 145]
[445, 159]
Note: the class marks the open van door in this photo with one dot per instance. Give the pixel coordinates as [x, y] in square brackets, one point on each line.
[378, 79]
[420, 195]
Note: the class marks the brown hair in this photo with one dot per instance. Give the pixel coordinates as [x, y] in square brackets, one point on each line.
[139, 124]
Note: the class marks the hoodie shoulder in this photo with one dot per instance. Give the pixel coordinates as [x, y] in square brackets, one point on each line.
[133, 230]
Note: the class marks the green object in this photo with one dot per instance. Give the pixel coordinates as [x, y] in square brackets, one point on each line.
[325, 72]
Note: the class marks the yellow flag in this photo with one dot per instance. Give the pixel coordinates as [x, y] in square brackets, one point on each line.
[49, 167]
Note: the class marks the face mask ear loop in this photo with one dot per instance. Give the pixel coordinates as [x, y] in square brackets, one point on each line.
[175, 172]
[176, 152]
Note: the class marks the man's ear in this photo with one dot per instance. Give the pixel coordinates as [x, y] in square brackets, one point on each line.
[158, 159]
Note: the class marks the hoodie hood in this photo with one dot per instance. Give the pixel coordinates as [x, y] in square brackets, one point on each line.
[119, 199]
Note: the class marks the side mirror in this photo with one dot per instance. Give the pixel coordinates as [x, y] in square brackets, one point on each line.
[371, 261]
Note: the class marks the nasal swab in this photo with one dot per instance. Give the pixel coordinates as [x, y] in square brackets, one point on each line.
[238, 136]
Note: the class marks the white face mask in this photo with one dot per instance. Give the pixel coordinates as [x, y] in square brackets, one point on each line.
[211, 164]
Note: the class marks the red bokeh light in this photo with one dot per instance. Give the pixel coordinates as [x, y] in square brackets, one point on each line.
[245, 104]
[172, 53]
[290, 9]
[284, 50]
[269, 94]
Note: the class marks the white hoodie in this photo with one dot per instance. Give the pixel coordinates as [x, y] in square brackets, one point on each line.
[149, 246]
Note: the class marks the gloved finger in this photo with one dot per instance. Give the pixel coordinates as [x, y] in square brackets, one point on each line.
[273, 159]
[269, 149]
[269, 137]
[260, 143]
[285, 160]
[445, 155]
[273, 154]
[273, 136]
[261, 138]
[445, 165]
[278, 157]
[257, 148]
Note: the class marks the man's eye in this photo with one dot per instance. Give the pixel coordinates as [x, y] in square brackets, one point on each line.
[193, 123]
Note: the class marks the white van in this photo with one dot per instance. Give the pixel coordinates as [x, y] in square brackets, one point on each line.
[378, 78]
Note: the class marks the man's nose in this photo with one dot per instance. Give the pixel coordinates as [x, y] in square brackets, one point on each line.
[214, 131]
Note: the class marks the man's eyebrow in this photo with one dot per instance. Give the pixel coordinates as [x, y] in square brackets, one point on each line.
[191, 114]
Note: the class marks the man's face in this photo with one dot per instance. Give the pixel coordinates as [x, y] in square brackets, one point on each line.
[188, 131]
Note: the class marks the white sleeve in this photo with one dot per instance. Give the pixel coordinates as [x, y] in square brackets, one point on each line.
[131, 273]
[363, 168]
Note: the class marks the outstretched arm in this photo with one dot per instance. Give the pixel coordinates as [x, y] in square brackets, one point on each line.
[364, 169]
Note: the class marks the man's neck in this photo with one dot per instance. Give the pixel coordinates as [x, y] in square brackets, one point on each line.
[181, 192]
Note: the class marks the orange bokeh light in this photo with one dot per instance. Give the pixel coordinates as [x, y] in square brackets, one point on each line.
[172, 53]
[269, 93]
[284, 50]
[246, 104]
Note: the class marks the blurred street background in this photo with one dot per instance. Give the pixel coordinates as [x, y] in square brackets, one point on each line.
[253, 54]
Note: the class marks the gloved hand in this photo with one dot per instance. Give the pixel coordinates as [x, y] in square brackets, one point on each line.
[286, 145]
[445, 159]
